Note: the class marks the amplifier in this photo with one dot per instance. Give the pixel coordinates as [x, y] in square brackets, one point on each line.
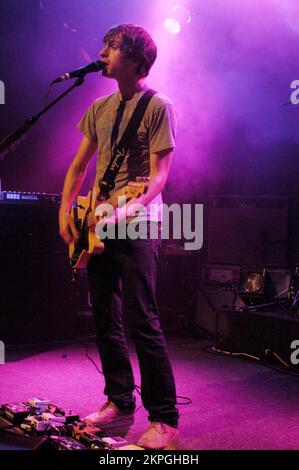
[15, 197]
[209, 299]
[248, 230]
[30, 225]
[256, 333]
[219, 283]
[224, 276]
[38, 300]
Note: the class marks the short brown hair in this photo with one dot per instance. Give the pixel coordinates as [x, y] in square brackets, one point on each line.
[137, 44]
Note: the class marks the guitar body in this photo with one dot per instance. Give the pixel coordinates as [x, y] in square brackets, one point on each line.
[83, 215]
[88, 243]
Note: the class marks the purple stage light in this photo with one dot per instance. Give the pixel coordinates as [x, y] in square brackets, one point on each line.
[172, 25]
[182, 14]
[179, 17]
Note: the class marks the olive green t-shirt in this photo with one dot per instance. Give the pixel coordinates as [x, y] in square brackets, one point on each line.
[155, 134]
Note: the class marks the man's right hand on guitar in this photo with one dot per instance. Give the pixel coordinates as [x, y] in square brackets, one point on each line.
[67, 228]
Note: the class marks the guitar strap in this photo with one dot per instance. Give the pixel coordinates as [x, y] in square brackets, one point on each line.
[119, 151]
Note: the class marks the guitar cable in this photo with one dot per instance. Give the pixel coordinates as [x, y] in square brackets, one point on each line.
[187, 400]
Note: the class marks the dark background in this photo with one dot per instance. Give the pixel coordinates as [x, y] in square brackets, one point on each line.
[228, 72]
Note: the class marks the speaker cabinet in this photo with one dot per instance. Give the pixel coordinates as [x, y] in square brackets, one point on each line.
[248, 230]
[219, 282]
[255, 332]
[209, 299]
[38, 300]
[176, 290]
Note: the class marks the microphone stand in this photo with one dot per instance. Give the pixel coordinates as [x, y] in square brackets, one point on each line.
[10, 142]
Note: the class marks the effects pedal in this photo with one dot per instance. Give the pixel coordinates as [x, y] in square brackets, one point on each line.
[39, 404]
[66, 443]
[16, 412]
[114, 442]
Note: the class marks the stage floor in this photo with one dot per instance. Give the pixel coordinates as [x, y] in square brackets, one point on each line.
[236, 403]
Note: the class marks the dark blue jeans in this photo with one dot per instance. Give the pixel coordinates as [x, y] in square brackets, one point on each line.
[122, 280]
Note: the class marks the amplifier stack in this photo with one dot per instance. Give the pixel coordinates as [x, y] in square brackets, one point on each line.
[38, 300]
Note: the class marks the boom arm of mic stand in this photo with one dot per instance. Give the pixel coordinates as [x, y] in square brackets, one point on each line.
[9, 143]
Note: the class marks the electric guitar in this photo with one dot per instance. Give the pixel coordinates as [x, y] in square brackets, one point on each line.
[83, 213]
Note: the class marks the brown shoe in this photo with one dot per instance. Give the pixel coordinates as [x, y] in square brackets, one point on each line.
[158, 436]
[108, 413]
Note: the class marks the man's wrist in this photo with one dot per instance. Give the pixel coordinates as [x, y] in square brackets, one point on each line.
[64, 210]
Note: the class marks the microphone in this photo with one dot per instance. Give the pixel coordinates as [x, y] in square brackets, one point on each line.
[80, 73]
